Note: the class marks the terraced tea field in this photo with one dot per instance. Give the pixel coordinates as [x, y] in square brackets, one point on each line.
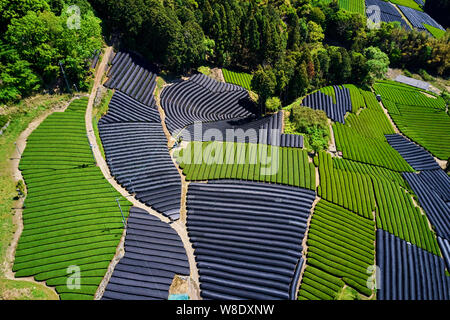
[72, 222]
[254, 216]
[240, 78]
[420, 117]
[247, 161]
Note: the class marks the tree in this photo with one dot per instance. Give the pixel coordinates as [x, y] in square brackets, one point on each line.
[324, 61]
[76, 46]
[377, 63]
[34, 37]
[253, 36]
[340, 69]
[208, 15]
[316, 15]
[315, 32]
[41, 40]
[194, 43]
[294, 37]
[299, 82]
[359, 68]
[273, 104]
[313, 123]
[16, 9]
[17, 79]
[264, 83]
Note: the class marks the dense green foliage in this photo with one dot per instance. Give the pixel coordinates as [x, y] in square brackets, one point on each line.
[285, 44]
[36, 40]
[273, 104]
[71, 216]
[240, 78]
[314, 125]
[246, 161]
[290, 39]
[377, 63]
[413, 50]
[340, 245]
[421, 118]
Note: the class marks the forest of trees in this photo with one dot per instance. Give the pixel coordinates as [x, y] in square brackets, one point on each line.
[291, 47]
[35, 39]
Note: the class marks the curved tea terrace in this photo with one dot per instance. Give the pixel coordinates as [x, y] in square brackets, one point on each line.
[335, 111]
[408, 272]
[202, 99]
[139, 160]
[247, 237]
[154, 254]
[72, 222]
[131, 75]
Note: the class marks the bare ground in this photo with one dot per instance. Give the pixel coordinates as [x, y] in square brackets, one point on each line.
[217, 74]
[332, 147]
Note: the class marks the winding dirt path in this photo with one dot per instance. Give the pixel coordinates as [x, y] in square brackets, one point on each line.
[179, 227]
[332, 147]
[21, 143]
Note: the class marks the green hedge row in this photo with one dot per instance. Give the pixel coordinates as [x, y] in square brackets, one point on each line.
[422, 118]
[426, 126]
[367, 169]
[216, 160]
[96, 268]
[362, 137]
[70, 243]
[356, 97]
